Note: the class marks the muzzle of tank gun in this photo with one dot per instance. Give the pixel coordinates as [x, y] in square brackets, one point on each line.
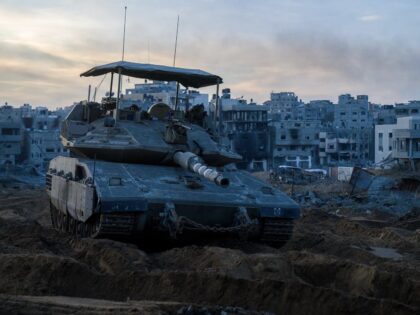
[194, 163]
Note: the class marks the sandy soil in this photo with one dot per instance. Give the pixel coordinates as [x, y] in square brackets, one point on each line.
[335, 264]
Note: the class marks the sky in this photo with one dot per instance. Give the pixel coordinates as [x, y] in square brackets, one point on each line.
[317, 49]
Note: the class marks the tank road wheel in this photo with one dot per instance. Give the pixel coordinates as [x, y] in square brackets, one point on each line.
[276, 231]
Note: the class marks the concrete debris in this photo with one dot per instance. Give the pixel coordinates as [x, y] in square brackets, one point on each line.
[361, 179]
[390, 191]
[296, 175]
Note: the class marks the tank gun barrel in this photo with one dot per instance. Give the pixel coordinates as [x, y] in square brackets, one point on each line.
[194, 163]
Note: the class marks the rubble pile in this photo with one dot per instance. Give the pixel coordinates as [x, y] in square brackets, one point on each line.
[336, 263]
[391, 194]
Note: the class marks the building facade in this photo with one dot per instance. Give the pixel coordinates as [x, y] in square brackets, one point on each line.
[383, 142]
[10, 136]
[295, 143]
[285, 106]
[43, 146]
[406, 141]
[245, 130]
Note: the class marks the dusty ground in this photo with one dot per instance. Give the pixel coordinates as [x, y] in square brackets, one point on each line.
[336, 263]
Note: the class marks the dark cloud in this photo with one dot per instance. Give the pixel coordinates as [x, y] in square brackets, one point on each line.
[380, 67]
[10, 51]
[315, 65]
[238, 40]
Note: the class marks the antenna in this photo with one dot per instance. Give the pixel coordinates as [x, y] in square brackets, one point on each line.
[89, 93]
[176, 39]
[117, 107]
[125, 20]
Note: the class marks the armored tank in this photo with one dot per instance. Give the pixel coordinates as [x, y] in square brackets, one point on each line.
[157, 173]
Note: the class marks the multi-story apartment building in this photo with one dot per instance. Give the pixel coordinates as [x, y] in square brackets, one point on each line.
[10, 135]
[10, 141]
[295, 143]
[351, 113]
[352, 133]
[285, 106]
[346, 146]
[321, 110]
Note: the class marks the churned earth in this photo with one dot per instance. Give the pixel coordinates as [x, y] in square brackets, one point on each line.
[336, 263]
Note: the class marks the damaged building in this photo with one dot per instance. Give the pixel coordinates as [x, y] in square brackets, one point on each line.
[295, 143]
[350, 141]
[245, 128]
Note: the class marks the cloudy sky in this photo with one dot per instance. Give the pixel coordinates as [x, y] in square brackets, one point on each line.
[318, 49]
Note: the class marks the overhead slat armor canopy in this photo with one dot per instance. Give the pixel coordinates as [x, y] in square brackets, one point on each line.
[187, 77]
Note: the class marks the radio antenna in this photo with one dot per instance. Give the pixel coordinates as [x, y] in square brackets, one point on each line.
[176, 39]
[125, 21]
[119, 88]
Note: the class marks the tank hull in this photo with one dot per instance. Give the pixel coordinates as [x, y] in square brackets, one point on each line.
[102, 199]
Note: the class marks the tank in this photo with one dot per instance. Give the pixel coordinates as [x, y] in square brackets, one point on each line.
[158, 173]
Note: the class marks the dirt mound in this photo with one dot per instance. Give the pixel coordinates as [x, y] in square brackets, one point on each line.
[228, 262]
[333, 264]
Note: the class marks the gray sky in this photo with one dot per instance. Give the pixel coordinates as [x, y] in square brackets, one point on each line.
[318, 49]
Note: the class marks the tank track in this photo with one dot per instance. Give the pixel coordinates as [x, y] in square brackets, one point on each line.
[276, 231]
[97, 226]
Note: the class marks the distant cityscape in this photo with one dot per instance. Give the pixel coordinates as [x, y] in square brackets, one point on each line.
[281, 131]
